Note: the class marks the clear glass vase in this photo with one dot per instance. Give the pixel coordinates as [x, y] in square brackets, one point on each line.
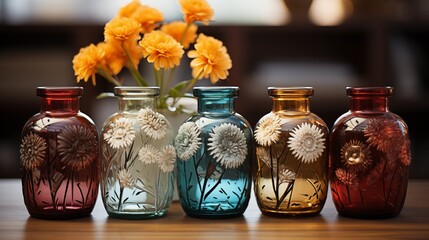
[369, 156]
[59, 157]
[214, 150]
[291, 169]
[137, 157]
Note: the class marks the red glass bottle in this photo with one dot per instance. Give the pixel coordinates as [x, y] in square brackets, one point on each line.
[59, 157]
[369, 156]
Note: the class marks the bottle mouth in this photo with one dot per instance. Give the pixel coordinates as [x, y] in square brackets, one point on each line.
[59, 91]
[136, 91]
[290, 91]
[369, 91]
[216, 91]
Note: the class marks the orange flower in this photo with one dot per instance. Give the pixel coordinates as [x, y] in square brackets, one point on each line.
[85, 63]
[211, 59]
[196, 10]
[177, 29]
[161, 49]
[148, 17]
[129, 9]
[122, 29]
[116, 58]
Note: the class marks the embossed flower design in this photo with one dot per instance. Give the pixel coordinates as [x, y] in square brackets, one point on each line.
[77, 146]
[32, 151]
[148, 154]
[153, 123]
[356, 156]
[187, 140]
[168, 159]
[286, 175]
[405, 153]
[346, 177]
[268, 130]
[227, 144]
[384, 134]
[120, 133]
[125, 179]
[307, 142]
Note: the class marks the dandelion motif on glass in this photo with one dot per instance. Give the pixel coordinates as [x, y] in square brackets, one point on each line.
[370, 156]
[138, 157]
[291, 173]
[214, 149]
[59, 157]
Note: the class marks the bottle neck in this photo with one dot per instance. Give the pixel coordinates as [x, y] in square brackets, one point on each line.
[369, 104]
[215, 105]
[291, 106]
[60, 106]
[131, 105]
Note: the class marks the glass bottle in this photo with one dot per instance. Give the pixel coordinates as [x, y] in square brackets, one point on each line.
[59, 157]
[369, 156]
[291, 170]
[214, 150]
[137, 157]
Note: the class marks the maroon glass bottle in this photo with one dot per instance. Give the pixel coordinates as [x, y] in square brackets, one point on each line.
[369, 156]
[59, 157]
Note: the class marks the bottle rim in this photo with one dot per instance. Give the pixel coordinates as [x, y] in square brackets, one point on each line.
[136, 91]
[295, 91]
[216, 91]
[369, 91]
[59, 91]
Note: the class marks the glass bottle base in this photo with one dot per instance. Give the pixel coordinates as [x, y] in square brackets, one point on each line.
[212, 215]
[281, 213]
[60, 216]
[137, 215]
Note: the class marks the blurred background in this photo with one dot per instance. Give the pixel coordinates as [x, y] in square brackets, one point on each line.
[327, 44]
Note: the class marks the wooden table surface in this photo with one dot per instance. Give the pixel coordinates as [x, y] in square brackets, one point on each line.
[412, 223]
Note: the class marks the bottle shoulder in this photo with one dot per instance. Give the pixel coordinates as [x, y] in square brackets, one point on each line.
[294, 119]
[51, 122]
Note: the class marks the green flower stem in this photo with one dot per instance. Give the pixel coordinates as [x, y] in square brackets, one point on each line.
[136, 75]
[105, 74]
[169, 79]
[184, 33]
[187, 88]
[133, 70]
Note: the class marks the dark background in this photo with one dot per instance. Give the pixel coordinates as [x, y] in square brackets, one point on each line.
[380, 43]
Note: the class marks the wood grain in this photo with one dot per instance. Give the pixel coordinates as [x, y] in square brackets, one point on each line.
[412, 223]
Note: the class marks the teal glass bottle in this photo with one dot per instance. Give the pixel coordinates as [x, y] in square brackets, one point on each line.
[214, 151]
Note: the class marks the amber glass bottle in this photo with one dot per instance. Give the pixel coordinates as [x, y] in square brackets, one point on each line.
[291, 171]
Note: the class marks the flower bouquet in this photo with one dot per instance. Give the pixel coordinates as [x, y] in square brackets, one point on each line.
[139, 32]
